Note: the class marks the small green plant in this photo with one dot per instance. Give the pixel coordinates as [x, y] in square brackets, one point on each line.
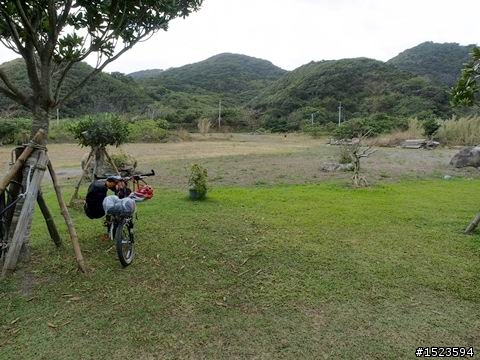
[198, 182]
[430, 127]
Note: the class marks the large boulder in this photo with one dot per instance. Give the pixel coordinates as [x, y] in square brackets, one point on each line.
[469, 156]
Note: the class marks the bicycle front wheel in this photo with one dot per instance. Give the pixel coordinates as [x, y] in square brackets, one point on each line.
[124, 243]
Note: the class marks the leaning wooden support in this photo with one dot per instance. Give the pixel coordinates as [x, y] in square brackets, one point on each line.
[68, 220]
[22, 230]
[39, 138]
[84, 172]
[52, 228]
[109, 159]
[473, 224]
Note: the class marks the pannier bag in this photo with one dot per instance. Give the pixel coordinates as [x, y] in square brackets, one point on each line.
[115, 206]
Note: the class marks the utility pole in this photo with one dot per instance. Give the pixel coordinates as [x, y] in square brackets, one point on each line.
[339, 113]
[312, 118]
[58, 116]
[219, 113]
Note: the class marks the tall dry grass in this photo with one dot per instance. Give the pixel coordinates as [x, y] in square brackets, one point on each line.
[203, 125]
[463, 131]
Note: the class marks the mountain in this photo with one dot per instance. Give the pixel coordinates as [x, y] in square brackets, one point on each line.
[187, 93]
[362, 86]
[145, 73]
[251, 92]
[228, 74]
[440, 63]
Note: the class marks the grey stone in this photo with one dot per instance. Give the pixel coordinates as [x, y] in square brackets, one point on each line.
[469, 156]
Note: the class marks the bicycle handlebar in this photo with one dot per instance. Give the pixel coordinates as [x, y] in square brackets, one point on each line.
[127, 178]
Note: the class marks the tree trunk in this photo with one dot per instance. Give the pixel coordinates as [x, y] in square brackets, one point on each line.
[41, 119]
[99, 165]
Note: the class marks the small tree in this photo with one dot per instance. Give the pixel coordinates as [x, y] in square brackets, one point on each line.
[356, 151]
[430, 127]
[98, 132]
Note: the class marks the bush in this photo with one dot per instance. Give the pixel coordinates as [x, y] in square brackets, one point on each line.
[60, 133]
[14, 130]
[396, 137]
[100, 130]
[197, 181]
[146, 131]
[373, 126]
[430, 127]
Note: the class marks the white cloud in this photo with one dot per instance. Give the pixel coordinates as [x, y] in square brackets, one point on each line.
[290, 33]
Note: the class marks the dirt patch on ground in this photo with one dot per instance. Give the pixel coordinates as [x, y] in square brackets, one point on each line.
[245, 159]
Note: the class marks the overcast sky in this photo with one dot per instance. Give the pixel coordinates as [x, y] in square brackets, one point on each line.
[290, 33]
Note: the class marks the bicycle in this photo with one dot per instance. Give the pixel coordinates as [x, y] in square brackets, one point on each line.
[120, 223]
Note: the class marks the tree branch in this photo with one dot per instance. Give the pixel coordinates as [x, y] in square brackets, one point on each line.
[28, 27]
[14, 90]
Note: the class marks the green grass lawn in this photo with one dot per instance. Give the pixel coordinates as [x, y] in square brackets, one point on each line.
[283, 272]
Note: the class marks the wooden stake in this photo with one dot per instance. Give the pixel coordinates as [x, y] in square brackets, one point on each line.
[68, 220]
[52, 229]
[473, 224]
[84, 172]
[110, 161]
[39, 138]
[22, 230]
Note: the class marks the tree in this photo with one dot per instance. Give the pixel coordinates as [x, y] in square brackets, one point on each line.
[52, 36]
[467, 89]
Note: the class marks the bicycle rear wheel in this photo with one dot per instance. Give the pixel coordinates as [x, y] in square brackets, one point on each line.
[124, 242]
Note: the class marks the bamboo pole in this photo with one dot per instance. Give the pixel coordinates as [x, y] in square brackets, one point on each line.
[39, 138]
[52, 229]
[22, 230]
[84, 171]
[111, 161]
[473, 224]
[68, 220]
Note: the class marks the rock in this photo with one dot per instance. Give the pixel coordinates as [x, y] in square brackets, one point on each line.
[469, 156]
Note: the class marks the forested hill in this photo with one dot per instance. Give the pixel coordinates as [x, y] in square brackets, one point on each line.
[363, 86]
[232, 75]
[255, 93]
[440, 63]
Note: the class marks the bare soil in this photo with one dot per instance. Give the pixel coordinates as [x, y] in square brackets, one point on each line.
[247, 159]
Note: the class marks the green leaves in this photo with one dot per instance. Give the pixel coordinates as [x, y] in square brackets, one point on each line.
[101, 130]
[466, 91]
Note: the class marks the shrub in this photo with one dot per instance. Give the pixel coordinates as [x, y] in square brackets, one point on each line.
[396, 137]
[197, 181]
[373, 126]
[430, 127]
[60, 132]
[100, 130]
[146, 131]
[14, 130]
